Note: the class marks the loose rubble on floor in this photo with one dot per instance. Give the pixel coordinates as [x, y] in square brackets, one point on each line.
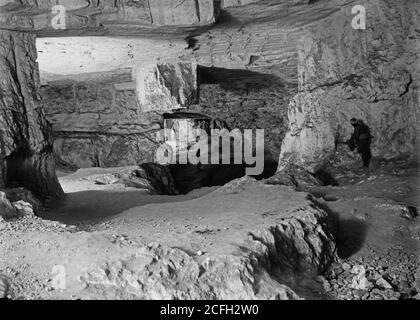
[212, 236]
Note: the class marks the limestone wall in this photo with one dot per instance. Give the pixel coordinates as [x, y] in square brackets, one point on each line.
[112, 121]
[248, 100]
[369, 74]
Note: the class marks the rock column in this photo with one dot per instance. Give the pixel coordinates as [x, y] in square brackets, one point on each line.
[26, 157]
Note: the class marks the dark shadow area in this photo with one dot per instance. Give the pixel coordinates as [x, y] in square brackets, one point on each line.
[35, 172]
[95, 206]
[227, 77]
[188, 177]
[349, 234]
[326, 178]
[227, 18]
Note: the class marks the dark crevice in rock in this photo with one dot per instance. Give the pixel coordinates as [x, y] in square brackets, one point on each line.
[160, 178]
[407, 87]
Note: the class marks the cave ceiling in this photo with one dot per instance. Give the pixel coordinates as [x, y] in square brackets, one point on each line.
[107, 39]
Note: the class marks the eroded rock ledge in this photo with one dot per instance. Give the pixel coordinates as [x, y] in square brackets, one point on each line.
[263, 259]
[301, 245]
[249, 249]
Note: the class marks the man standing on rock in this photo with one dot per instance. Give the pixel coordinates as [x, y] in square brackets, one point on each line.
[361, 140]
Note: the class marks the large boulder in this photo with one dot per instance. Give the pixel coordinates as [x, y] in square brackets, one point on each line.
[167, 86]
[26, 157]
[7, 210]
[23, 195]
[368, 74]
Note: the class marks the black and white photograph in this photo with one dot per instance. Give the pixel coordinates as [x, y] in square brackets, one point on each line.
[208, 156]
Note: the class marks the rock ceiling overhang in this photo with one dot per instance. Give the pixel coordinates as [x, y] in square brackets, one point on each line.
[118, 35]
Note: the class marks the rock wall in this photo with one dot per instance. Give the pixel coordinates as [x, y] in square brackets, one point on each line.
[247, 99]
[104, 16]
[370, 74]
[99, 125]
[26, 157]
[113, 121]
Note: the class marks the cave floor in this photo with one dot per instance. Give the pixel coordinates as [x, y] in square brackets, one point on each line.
[375, 232]
[378, 228]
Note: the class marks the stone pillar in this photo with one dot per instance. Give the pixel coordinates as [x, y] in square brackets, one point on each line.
[26, 157]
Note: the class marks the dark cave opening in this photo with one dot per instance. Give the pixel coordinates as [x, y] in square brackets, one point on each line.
[34, 172]
[189, 177]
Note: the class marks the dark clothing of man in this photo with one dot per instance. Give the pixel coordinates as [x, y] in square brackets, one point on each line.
[361, 139]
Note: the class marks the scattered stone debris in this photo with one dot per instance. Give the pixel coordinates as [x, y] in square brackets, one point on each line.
[376, 278]
[160, 178]
[359, 281]
[24, 208]
[407, 212]
[31, 222]
[22, 194]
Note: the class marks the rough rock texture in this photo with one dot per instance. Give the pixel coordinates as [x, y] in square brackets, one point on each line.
[293, 176]
[246, 99]
[260, 36]
[159, 272]
[160, 178]
[251, 59]
[7, 210]
[190, 12]
[99, 124]
[4, 287]
[111, 121]
[22, 194]
[166, 86]
[24, 208]
[26, 157]
[370, 74]
[246, 240]
[106, 16]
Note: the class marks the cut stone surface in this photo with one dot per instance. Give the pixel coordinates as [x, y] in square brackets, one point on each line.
[346, 73]
[112, 121]
[105, 16]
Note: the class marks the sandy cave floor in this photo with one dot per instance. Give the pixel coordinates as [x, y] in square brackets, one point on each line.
[96, 223]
